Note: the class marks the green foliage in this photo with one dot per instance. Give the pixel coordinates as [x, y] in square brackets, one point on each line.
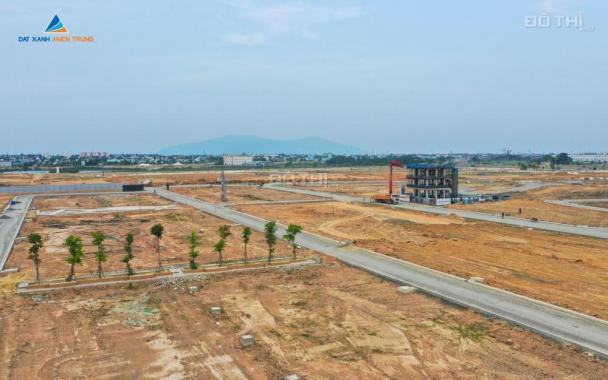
[369, 160]
[246, 238]
[157, 230]
[224, 231]
[290, 236]
[474, 331]
[98, 239]
[128, 253]
[563, 159]
[76, 253]
[219, 248]
[270, 233]
[246, 235]
[36, 244]
[193, 242]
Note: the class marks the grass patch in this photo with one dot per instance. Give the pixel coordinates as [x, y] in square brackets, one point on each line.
[475, 331]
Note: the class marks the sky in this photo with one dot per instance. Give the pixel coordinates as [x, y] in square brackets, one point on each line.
[396, 76]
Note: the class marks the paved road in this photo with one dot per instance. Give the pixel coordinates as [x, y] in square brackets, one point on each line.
[576, 203]
[563, 325]
[10, 224]
[595, 232]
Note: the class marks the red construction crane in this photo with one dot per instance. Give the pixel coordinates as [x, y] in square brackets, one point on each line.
[384, 198]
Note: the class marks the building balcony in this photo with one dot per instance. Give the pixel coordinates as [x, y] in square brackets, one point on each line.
[423, 186]
[429, 177]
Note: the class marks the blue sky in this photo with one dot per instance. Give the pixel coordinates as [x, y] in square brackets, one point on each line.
[386, 76]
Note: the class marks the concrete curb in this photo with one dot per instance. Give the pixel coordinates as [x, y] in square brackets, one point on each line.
[164, 277]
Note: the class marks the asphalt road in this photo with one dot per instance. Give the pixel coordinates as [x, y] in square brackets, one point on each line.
[10, 224]
[595, 232]
[576, 203]
[561, 324]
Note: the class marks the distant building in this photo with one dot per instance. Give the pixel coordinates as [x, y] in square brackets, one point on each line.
[94, 154]
[231, 160]
[432, 183]
[590, 157]
[5, 164]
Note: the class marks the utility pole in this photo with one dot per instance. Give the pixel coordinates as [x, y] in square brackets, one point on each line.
[223, 182]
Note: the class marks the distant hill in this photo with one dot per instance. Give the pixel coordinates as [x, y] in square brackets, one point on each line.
[237, 144]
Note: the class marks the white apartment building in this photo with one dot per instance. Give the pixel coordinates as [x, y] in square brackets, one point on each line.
[589, 157]
[231, 160]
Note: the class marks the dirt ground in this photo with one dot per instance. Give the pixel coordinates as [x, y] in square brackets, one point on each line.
[97, 201]
[178, 223]
[240, 194]
[196, 177]
[309, 321]
[354, 189]
[4, 199]
[562, 269]
[533, 205]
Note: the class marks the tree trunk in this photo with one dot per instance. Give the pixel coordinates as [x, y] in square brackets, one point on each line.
[99, 270]
[269, 254]
[294, 252]
[37, 274]
[220, 258]
[245, 253]
[158, 253]
[71, 274]
[128, 268]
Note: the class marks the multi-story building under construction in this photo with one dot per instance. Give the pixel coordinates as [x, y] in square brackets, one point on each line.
[434, 184]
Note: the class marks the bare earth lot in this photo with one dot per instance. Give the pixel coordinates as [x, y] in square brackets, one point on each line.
[311, 322]
[322, 322]
[97, 201]
[243, 194]
[174, 247]
[533, 205]
[562, 269]
[195, 177]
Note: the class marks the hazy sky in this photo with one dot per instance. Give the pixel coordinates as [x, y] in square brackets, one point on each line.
[399, 76]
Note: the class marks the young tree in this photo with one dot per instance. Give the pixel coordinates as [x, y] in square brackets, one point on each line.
[193, 240]
[74, 244]
[128, 253]
[36, 243]
[219, 248]
[246, 238]
[100, 255]
[270, 232]
[157, 230]
[224, 231]
[290, 236]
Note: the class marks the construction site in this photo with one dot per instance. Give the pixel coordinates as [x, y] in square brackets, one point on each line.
[393, 276]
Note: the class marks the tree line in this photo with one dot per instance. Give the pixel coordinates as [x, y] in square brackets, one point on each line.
[76, 252]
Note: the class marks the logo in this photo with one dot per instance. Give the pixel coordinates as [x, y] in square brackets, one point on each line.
[56, 26]
[59, 32]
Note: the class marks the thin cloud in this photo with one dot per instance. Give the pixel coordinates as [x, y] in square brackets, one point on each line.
[271, 21]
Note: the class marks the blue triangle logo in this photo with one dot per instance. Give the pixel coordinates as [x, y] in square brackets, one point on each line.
[56, 26]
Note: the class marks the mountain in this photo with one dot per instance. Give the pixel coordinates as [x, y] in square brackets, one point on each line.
[236, 144]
